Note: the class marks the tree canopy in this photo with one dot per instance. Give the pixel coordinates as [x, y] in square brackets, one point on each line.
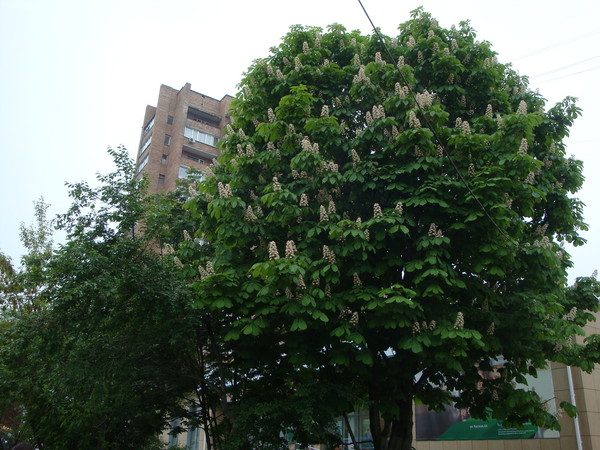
[388, 216]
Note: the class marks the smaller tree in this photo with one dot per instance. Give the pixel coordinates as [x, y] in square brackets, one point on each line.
[37, 240]
[8, 285]
[22, 290]
[104, 363]
[21, 298]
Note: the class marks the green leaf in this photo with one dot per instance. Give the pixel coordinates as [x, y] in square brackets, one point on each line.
[569, 409]
[299, 324]
[232, 335]
[364, 356]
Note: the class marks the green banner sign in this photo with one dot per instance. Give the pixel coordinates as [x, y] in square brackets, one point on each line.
[454, 424]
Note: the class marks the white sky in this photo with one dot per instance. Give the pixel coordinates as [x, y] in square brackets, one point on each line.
[76, 75]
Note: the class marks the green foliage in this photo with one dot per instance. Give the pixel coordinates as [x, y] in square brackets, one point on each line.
[37, 240]
[106, 362]
[10, 289]
[23, 290]
[6, 265]
[22, 296]
[343, 240]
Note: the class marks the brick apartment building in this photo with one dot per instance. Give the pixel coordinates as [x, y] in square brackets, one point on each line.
[182, 130]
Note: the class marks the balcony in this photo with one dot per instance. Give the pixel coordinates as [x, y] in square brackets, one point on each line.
[194, 148]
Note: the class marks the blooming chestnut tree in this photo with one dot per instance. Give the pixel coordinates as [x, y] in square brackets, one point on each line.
[388, 216]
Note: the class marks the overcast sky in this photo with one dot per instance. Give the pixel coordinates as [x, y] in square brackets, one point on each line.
[76, 76]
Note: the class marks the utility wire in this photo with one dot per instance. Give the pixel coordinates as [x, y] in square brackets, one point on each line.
[436, 136]
[569, 75]
[559, 69]
[558, 44]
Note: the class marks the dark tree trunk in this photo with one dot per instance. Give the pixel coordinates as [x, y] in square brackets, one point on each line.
[392, 434]
[389, 431]
[400, 435]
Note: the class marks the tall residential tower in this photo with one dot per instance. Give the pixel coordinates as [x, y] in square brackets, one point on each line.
[180, 132]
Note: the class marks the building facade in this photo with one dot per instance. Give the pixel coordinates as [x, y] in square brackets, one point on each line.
[179, 133]
[582, 433]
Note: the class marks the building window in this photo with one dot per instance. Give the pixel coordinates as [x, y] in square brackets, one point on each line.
[183, 171]
[146, 144]
[193, 436]
[170, 120]
[161, 179]
[148, 127]
[197, 135]
[173, 433]
[165, 158]
[167, 139]
[360, 425]
[142, 164]
[192, 157]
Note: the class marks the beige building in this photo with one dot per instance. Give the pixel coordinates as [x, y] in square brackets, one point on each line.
[581, 433]
[180, 132]
[561, 384]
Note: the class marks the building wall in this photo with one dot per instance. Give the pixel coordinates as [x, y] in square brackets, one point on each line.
[169, 150]
[174, 111]
[587, 398]
[190, 440]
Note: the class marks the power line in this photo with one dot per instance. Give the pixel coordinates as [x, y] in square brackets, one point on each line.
[559, 69]
[584, 142]
[568, 75]
[436, 136]
[558, 44]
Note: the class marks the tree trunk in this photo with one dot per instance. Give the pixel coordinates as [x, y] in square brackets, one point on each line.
[401, 429]
[396, 434]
